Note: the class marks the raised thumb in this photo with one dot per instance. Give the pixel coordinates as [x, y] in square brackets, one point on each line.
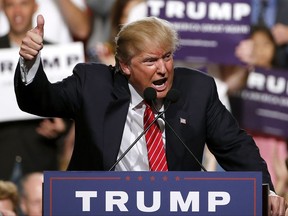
[40, 25]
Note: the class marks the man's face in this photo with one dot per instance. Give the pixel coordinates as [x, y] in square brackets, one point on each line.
[31, 201]
[151, 69]
[263, 50]
[19, 14]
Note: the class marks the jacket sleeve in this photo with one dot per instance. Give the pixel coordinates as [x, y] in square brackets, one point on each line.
[234, 149]
[40, 97]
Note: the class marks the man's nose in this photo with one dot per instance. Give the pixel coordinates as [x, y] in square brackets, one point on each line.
[161, 66]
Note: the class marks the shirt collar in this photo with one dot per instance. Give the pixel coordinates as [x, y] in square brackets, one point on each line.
[136, 99]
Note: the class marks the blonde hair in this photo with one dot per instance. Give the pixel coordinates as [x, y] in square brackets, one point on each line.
[145, 34]
[8, 190]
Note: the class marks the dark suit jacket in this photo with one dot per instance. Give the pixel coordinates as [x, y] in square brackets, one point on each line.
[98, 100]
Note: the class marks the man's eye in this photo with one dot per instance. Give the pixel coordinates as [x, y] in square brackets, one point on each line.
[167, 57]
[149, 63]
[151, 60]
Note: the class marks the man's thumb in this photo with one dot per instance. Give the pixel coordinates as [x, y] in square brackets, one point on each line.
[40, 25]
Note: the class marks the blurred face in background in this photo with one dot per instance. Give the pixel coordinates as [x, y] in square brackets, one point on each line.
[31, 201]
[264, 49]
[126, 10]
[19, 14]
[6, 204]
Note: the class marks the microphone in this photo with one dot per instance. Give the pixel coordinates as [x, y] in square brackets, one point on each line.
[172, 97]
[149, 96]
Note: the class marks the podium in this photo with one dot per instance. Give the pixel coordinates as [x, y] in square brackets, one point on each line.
[152, 193]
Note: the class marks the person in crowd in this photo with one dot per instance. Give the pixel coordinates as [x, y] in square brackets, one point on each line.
[262, 53]
[118, 16]
[103, 100]
[273, 14]
[100, 12]
[35, 141]
[259, 50]
[269, 21]
[233, 78]
[20, 15]
[264, 50]
[31, 194]
[9, 198]
[3, 21]
[73, 20]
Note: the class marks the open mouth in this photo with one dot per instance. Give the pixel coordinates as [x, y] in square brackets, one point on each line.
[160, 82]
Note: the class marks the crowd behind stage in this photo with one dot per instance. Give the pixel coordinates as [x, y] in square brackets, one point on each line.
[29, 147]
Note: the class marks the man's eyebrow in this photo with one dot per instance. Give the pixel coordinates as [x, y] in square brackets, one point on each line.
[150, 57]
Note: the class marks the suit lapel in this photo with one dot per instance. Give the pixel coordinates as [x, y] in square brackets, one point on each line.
[115, 118]
[178, 120]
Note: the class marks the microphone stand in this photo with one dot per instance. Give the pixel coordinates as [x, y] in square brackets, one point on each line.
[136, 140]
[178, 137]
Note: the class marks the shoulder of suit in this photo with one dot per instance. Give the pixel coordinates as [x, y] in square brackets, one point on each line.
[93, 66]
[190, 71]
[92, 69]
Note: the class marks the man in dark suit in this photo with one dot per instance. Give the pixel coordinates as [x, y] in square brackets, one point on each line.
[107, 105]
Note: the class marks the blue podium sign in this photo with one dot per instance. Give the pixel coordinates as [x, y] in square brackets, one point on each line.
[152, 193]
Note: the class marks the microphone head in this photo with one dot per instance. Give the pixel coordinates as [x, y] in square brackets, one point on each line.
[173, 95]
[149, 94]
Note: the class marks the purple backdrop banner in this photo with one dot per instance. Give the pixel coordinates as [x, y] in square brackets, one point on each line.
[209, 30]
[263, 105]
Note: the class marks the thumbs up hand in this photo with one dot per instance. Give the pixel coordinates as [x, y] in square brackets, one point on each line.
[32, 43]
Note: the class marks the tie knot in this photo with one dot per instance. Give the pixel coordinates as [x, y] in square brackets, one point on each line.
[147, 105]
[150, 107]
[148, 114]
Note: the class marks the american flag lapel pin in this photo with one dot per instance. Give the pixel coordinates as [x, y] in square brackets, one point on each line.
[183, 121]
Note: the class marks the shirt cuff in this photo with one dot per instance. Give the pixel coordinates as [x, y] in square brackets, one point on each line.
[272, 193]
[28, 69]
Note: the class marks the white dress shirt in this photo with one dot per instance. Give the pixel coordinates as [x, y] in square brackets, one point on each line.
[136, 159]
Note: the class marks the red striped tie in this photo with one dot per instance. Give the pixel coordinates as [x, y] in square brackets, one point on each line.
[155, 145]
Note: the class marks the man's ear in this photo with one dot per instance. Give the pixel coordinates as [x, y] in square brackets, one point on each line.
[125, 68]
